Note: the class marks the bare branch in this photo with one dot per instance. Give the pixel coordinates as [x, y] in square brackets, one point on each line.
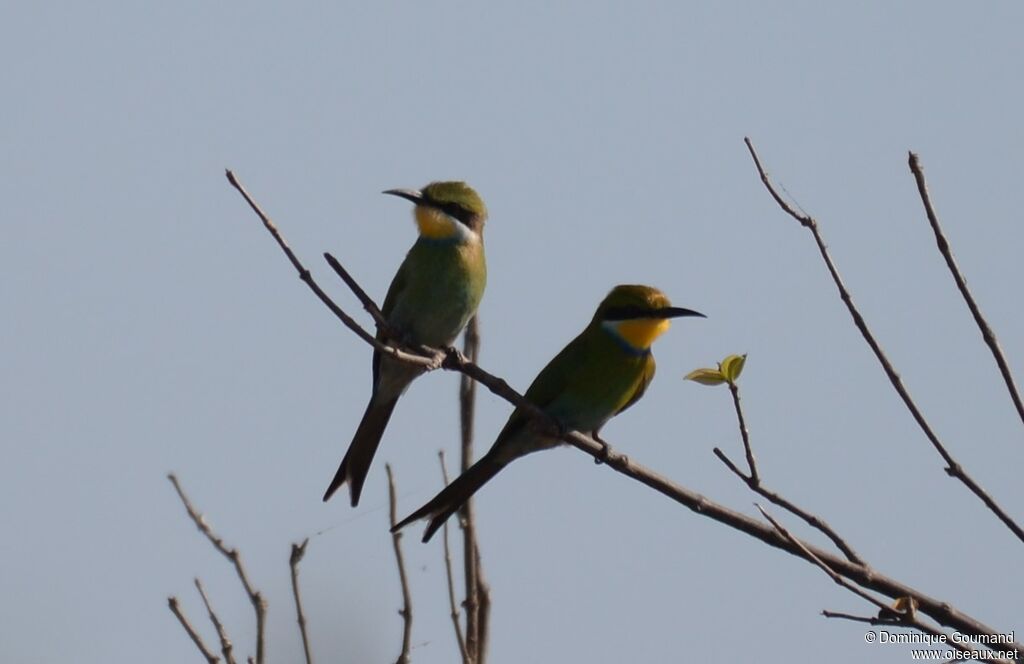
[734, 389]
[942, 612]
[172, 602]
[259, 604]
[812, 520]
[368, 304]
[961, 283]
[298, 551]
[754, 482]
[225, 642]
[307, 278]
[906, 618]
[931, 631]
[953, 467]
[470, 550]
[453, 604]
[838, 578]
[483, 595]
[396, 540]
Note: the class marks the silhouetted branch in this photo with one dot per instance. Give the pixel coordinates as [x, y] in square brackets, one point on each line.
[306, 276]
[172, 602]
[754, 482]
[961, 283]
[812, 520]
[453, 604]
[744, 433]
[396, 540]
[942, 612]
[259, 605]
[809, 555]
[483, 597]
[953, 467]
[470, 550]
[298, 551]
[906, 617]
[225, 642]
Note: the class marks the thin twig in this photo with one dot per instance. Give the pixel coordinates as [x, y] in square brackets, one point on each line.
[812, 520]
[870, 620]
[470, 551]
[396, 540]
[906, 617]
[953, 467]
[298, 551]
[734, 389]
[942, 612]
[452, 602]
[483, 597]
[838, 578]
[172, 602]
[306, 276]
[259, 604]
[753, 481]
[961, 283]
[225, 642]
[931, 631]
[368, 304]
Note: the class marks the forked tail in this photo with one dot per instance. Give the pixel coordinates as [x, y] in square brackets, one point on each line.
[453, 496]
[356, 464]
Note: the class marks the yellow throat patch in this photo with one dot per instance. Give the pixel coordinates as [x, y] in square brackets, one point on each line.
[434, 224]
[640, 333]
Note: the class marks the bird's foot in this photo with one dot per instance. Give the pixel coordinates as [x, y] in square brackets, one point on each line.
[451, 358]
[606, 449]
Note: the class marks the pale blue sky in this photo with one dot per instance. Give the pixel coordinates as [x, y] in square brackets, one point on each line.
[152, 325]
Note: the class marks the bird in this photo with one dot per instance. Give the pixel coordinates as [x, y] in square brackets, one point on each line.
[435, 292]
[599, 374]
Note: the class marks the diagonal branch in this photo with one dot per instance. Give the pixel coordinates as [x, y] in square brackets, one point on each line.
[298, 552]
[396, 540]
[812, 520]
[172, 602]
[306, 276]
[906, 617]
[753, 481]
[986, 331]
[259, 604]
[942, 612]
[953, 467]
[225, 642]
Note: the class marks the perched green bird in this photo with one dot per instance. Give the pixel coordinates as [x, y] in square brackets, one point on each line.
[434, 294]
[601, 373]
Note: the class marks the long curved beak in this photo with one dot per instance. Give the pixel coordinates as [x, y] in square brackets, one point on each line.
[676, 312]
[408, 194]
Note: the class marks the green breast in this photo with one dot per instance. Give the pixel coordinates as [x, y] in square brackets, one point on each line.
[443, 284]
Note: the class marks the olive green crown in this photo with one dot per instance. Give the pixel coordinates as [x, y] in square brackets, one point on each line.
[449, 194]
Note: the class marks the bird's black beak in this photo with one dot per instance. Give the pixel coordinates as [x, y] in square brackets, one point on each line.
[676, 312]
[408, 194]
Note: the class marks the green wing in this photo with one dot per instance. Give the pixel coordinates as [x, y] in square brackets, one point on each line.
[641, 386]
[398, 285]
[549, 384]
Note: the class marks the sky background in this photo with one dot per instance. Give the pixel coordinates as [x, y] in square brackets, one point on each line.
[151, 325]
